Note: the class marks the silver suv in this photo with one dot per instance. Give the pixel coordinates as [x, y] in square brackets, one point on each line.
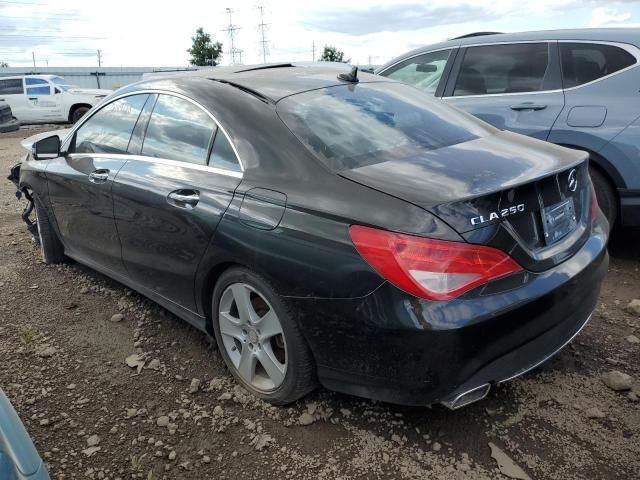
[577, 88]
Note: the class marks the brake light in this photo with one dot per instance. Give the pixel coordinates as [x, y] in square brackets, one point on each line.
[428, 268]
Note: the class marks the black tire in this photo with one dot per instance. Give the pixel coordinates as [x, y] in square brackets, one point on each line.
[606, 196]
[300, 375]
[78, 113]
[50, 246]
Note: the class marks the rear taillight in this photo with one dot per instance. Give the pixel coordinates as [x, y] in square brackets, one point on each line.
[427, 268]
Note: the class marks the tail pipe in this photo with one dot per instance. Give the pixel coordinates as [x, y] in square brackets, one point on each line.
[466, 398]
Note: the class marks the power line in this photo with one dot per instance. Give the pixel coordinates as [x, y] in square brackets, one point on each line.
[262, 26]
[231, 31]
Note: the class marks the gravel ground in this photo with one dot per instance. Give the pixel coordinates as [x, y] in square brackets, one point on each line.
[145, 395]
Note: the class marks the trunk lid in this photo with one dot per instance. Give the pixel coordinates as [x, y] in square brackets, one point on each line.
[527, 197]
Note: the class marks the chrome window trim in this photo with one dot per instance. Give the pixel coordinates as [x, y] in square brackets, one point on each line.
[161, 161]
[416, 55]
[151, 91]
[631, 49]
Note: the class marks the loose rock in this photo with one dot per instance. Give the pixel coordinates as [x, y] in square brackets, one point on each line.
[507, 466]
[594, 412]
[634, 307]
[617, 380]
[118, 317]
[93, 440]
[195, 385]
[305, 419]
[162, 421]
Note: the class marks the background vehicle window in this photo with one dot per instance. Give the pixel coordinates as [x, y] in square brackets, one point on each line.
[222, 154]
[352, 126]
[178, 130]
[586, 62]
[44, 90]
[12, 86]
[423, 72]
[109, 130]
[35, 81]
[495, 69]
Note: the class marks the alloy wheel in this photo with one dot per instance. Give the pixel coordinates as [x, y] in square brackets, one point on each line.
[252, 337]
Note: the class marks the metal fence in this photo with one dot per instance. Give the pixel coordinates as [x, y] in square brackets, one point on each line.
[91, 77]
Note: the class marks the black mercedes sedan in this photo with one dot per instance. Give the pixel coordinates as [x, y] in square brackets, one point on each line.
[328, 226]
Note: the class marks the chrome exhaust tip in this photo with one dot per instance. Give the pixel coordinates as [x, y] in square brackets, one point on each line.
[466, 398]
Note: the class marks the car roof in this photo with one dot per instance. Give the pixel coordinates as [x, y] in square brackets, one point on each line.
[618, 35]
[272, 82]
[30, 75]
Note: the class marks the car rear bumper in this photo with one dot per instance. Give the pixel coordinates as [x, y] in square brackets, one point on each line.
[393, 347]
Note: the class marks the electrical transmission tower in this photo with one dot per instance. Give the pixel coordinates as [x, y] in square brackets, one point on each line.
[231, 31]
[262, 27]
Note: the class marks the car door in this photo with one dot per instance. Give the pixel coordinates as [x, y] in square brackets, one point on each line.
[80, 183]
[12, 92]
[43, 105]
[513, 86]
[169, 199]
[425, 71]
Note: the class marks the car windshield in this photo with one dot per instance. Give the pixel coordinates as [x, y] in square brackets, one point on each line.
[61, 83]
[349, 126]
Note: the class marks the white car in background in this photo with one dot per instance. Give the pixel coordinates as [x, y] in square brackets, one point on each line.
[47, 98]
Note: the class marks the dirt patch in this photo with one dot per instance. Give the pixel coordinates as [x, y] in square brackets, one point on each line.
[93, 416]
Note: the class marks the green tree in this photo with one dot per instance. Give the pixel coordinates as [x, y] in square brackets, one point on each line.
[203, 51]
[4, 65]
[332, 54]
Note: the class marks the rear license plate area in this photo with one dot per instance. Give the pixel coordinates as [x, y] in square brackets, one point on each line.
[558, 220]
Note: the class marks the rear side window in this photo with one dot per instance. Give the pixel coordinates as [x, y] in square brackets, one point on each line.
[509, 68]
[222, 154]
[12, 86]
[37, 86]
[109, 130]
[350, 126]
[585, 62]
[423, 72]
[178, 130]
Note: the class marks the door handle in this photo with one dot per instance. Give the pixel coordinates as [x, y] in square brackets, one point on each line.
[184, 198]
[33, 98]
[99, 176]
[528, 106]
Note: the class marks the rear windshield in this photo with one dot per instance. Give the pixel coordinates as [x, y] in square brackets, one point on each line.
[349, 126]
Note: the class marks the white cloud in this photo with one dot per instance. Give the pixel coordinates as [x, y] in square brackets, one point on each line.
[605, 16]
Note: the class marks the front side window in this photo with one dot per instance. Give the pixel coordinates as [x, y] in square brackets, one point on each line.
[109, 130]
[350, 126]
[11, 86]
[423, 72]
[506, 68]
[222, 154]
[178, 130]
[585, 62]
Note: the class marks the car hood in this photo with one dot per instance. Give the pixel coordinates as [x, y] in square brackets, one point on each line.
[89, 91]
[29, 141]
[466, 170]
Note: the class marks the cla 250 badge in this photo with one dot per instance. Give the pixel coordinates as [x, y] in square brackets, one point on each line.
[505, 212]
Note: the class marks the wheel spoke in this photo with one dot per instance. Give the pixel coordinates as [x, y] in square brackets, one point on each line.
[269, 325]
[247, 366]
[230, 326]
[271, 365]
[241, 295]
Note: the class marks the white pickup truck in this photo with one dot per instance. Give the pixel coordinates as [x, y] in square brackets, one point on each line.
[47, 98]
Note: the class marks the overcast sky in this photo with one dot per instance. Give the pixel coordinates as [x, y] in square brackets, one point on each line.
[141, 33]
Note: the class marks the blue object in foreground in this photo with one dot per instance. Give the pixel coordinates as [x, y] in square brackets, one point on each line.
[19, 459]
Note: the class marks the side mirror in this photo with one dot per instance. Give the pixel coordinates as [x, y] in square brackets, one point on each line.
[46, 148]
[426, 67]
